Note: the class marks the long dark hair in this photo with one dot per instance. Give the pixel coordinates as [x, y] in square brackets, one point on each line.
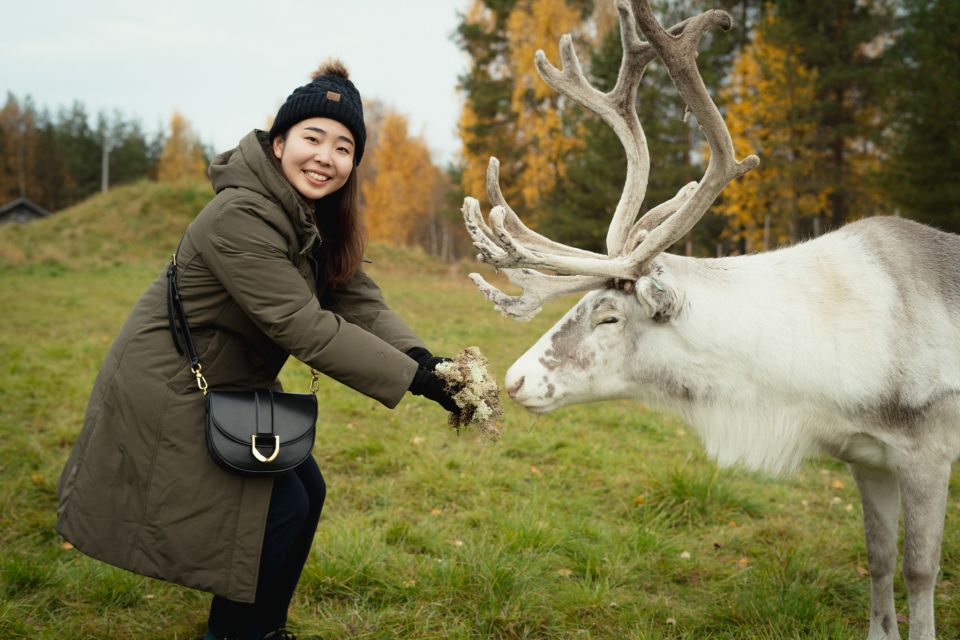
[343, 232]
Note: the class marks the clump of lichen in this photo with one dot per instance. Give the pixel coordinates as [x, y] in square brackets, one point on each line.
[474, 391]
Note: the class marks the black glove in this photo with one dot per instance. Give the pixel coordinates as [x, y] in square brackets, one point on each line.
[426, 359]
[428, 384]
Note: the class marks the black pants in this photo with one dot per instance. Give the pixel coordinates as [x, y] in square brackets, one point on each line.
[295, 506]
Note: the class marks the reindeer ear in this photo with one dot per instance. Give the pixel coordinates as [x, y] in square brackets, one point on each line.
[657, 298]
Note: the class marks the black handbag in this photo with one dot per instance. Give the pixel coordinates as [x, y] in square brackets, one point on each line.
[258, 432]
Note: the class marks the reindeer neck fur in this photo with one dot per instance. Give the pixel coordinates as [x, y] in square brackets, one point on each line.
[777, 356]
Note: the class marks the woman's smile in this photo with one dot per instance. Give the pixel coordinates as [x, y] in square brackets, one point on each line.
[317, 177]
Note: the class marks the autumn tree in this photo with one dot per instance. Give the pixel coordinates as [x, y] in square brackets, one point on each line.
[182, 155]
[18, 149]
[770, 103]
[509, 112]
[543, 137]
[401, 197]
[374, 111]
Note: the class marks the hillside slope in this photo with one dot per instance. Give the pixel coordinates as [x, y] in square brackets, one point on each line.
[139, 223]
[132, 223]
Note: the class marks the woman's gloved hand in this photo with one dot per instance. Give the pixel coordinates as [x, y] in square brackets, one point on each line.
[426, 359]
[428, 384]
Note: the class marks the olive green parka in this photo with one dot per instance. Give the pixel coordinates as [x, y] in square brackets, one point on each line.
[139, 489]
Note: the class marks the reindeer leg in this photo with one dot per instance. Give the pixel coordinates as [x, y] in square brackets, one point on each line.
[879, 494]
[924, 482]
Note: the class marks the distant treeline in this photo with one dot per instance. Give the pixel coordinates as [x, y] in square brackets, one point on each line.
[56, 158]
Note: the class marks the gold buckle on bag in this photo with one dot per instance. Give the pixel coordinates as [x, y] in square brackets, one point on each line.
[258, 455]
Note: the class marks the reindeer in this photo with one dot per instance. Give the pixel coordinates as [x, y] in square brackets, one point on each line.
[848, 344]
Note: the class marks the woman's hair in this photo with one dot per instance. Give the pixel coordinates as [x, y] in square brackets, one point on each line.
[343, 232]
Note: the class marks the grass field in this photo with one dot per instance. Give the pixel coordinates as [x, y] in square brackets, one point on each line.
[599, 521]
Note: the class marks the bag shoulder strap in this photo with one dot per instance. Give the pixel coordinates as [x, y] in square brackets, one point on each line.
[179, 325]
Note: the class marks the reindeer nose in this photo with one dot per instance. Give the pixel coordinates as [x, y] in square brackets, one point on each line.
[513, 390]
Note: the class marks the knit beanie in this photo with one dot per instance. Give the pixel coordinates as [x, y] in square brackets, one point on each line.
[329, 95]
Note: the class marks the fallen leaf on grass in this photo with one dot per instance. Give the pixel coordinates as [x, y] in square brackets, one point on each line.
[685, 555]
[563, 573]
[67, 546]
[743, 562]
[863, 572]
[435, 511]
[534, 470]
[837, 484]
[671, 621]
[640, 500]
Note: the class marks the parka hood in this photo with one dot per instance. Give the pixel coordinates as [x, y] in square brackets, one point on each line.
[250, 165]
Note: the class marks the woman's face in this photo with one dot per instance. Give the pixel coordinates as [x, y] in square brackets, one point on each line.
[316, 157]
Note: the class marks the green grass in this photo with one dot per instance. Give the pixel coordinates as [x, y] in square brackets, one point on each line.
[600, 521]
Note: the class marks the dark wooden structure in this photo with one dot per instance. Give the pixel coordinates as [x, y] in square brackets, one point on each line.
[22, 210]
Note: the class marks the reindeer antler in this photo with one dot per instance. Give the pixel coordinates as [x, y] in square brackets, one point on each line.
[508, 244]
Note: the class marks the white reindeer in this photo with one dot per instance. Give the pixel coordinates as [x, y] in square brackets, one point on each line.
[848, 344]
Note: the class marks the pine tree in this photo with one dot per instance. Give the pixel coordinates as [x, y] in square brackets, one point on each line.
[922, 178]
[82, 152]
[131, 157]
[50, 168]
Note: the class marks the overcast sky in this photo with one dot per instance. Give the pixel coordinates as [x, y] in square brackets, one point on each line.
[227, 65]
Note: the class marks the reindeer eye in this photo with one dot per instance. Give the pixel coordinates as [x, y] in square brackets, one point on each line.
[610, 320]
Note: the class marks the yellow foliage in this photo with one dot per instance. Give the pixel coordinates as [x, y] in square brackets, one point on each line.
[402, 193]
[480, 14]
[769, 103]
[533, 140]
[541, 139]
[182, 156]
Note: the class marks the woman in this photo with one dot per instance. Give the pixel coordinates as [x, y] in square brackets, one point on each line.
[268, 269]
